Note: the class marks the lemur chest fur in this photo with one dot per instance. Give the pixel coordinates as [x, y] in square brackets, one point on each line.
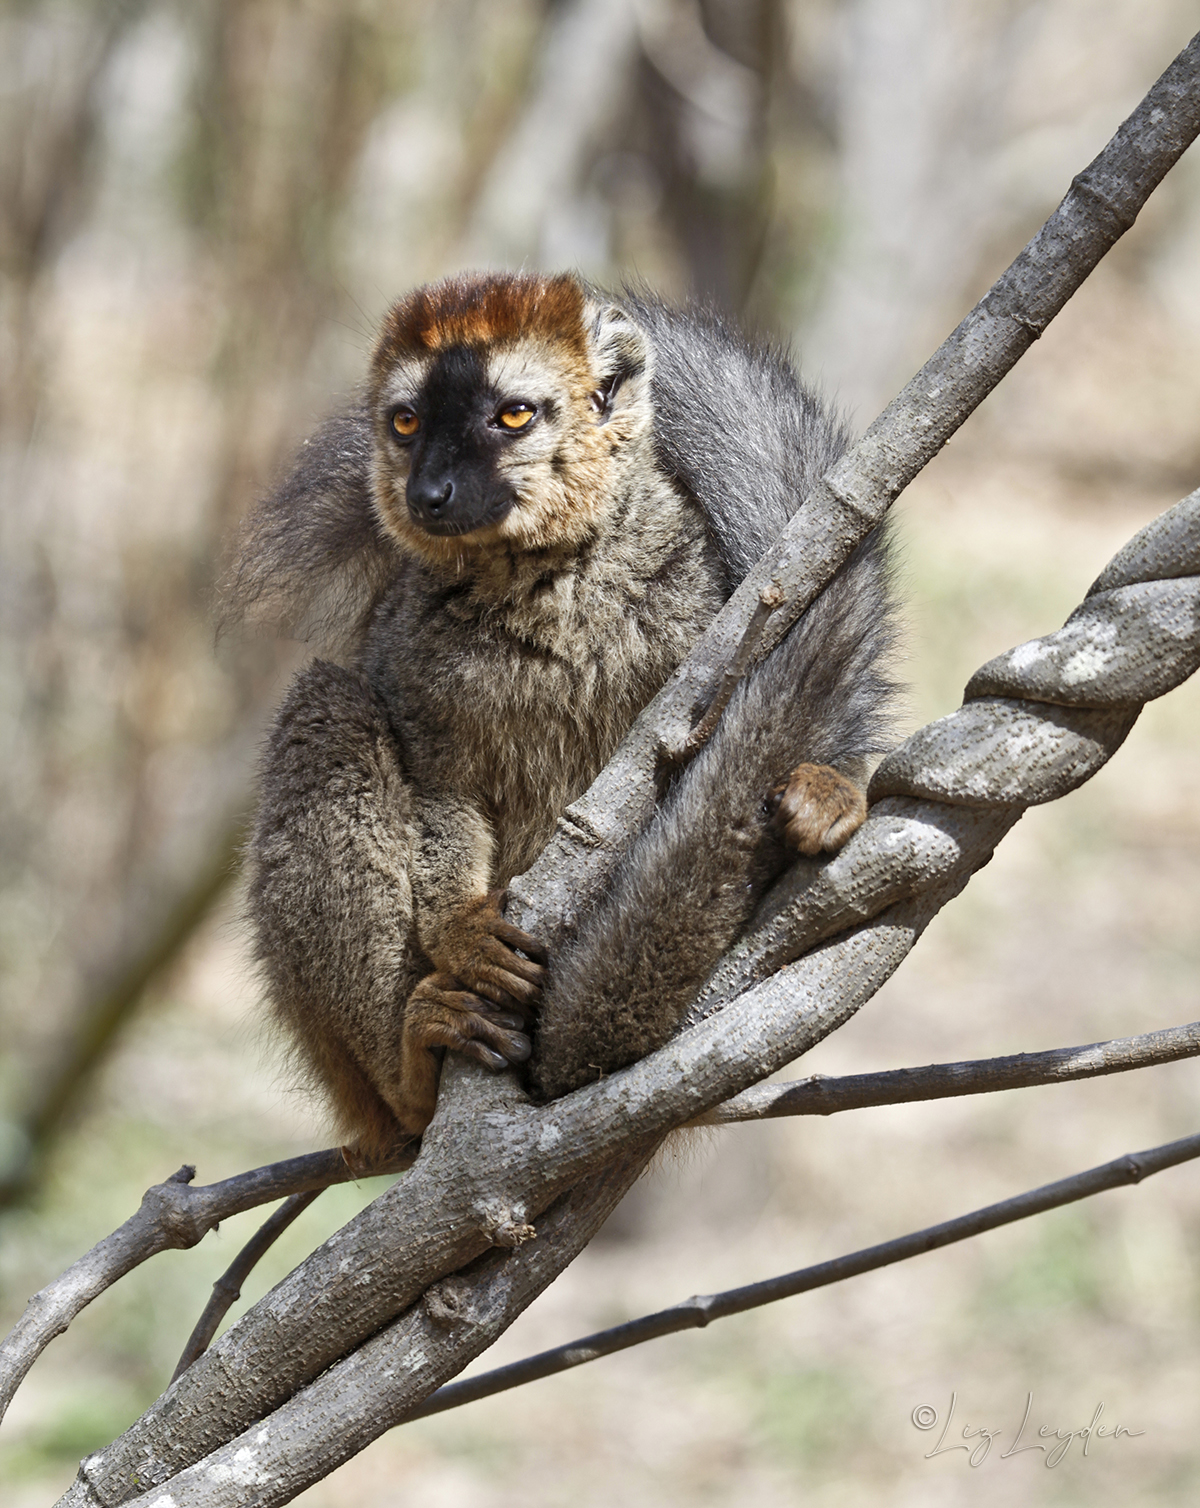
[531, 668]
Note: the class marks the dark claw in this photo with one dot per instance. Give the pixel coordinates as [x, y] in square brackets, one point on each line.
[484, 1054]
[519, 1047]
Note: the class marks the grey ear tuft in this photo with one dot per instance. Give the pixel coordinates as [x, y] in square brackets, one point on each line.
[619, 346]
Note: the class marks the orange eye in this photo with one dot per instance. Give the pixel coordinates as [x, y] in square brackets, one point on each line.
[405, 422]
[517, 415]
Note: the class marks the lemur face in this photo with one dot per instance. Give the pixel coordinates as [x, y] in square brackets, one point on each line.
[502, 405]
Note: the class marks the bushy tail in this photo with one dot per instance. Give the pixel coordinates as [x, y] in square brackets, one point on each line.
[690, 882]
[311, 558]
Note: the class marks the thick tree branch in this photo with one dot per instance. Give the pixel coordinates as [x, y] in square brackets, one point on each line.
[345, 1409]
[370, 1392]
[228, 1287]
[821, 1095]
[491, 1163]
[695, 1313]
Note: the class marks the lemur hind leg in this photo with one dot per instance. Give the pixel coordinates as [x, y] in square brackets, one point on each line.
[335, 895]
[331, 897]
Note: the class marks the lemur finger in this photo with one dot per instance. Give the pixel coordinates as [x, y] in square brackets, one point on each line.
[495, 997]
[469, 1025]
[484, 1055]
[519, 1048]
[504, 1019]
[522, 991]
[515, 938]
[481, 1024]
[512, 1046]
[503, 957]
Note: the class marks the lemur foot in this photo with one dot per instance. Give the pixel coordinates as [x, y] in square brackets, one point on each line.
[441, 1014]
[818, 809]
[478, 949]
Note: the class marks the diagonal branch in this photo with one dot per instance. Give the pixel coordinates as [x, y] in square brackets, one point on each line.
[1101, 204]
[695, 1313]
[172, 1215]
[821, 1095]
[483, 1176]
[228, 1287]
[317, 1431]
[344, 1410]
[994, 754]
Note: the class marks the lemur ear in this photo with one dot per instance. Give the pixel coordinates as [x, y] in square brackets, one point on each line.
[620, 357]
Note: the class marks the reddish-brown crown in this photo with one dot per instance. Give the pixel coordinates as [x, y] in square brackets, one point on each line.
[477, 309]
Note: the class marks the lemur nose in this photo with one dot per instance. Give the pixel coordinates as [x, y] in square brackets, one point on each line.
[431, 497]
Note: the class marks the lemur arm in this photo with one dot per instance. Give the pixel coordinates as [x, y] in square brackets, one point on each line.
[458, 915]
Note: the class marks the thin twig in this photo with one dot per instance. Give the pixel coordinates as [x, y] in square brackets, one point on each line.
[695, 1313]
[228, 1287]
[172, 1214]
[674, 758]
[821, 1095]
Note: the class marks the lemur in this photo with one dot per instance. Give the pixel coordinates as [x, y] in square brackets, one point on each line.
[541, 500]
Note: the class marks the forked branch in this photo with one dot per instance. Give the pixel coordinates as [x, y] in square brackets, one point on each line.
[172, 1215]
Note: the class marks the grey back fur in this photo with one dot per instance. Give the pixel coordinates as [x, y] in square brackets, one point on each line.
[734, 426]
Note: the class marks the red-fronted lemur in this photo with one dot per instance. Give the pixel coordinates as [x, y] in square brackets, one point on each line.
[543, 498]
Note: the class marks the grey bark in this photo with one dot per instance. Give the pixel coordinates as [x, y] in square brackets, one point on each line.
[701, 1310]
[228, 1287]
[172, 1214]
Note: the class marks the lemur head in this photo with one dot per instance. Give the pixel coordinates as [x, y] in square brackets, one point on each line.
[506, 408]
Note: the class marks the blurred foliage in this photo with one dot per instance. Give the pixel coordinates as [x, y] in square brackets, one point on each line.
[807, 1414]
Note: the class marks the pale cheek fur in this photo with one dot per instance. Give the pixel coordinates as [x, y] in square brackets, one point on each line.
[551, 510]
